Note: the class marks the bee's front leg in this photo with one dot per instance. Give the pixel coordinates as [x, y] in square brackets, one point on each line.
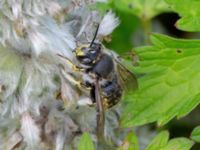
[74, 67]
[78, 68]
[75, 82]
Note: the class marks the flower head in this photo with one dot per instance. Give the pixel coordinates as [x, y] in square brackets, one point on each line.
[40, 107]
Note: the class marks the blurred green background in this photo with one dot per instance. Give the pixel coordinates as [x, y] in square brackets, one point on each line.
[136, 25]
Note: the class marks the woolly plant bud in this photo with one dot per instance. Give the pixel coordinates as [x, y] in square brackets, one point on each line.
[40, 108]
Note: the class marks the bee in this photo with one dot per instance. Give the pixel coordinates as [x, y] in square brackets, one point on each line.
[104, 76]
[104, 66]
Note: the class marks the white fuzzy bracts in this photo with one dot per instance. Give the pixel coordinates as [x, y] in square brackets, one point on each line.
[39, 109]
[108, 24]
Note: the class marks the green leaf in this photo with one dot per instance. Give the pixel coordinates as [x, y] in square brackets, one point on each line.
[170, 82]
[101, 7]
[144, 9]
[196, 134]
[189, 12]
[159, 141]
[85, 142]
[130, 142]
[179, 144]
[123, 33]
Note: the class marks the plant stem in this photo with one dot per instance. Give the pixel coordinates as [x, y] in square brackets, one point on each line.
[146, 23]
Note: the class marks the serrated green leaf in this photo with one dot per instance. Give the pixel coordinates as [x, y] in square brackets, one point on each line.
[196, 134]
[130, 142]
[178, 144]
[170, 83]
[85, 142]
[159, 141]
[189, 12]
[144, 9]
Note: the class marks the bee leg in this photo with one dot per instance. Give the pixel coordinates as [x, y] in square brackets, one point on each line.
[74, 67]
[77, 68]
[72, 80]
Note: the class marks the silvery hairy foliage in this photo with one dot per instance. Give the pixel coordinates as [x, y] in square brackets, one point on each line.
[32, 33]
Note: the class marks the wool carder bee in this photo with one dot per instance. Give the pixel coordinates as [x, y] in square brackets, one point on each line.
[103, 74]
[100, 64]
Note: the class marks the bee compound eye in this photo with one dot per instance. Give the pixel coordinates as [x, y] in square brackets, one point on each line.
[86, 60]
[92, 51]
[84, 49]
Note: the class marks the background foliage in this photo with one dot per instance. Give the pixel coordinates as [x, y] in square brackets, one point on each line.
[159, 42]
[168, 68]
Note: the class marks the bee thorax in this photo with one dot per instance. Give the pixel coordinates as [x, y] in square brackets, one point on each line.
[104, 66]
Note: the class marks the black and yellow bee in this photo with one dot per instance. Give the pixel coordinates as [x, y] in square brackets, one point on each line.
[104, 76]
[103, 66]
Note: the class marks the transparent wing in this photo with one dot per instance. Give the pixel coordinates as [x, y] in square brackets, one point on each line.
[126, 78]
[100, 111]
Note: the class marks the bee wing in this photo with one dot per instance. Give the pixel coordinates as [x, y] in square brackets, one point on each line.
[100, 111]
[126, 78]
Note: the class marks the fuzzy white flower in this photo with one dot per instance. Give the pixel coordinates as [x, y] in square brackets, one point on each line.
[16, 9]
[38, 41]
[108, 24]
[30, 130]
[53, 8]
[40, 109]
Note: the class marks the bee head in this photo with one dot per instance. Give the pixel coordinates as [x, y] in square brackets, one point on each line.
[88, 54]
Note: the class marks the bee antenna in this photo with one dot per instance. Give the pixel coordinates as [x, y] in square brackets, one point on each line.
[95, 35]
